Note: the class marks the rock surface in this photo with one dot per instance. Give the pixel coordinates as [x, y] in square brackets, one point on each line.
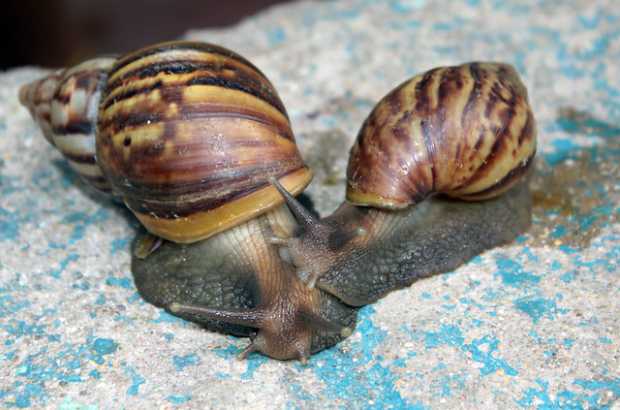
[535, 324]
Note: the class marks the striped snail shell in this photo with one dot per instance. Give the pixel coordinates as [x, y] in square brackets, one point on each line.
[465, 131]
[188, 134]
[64, 105]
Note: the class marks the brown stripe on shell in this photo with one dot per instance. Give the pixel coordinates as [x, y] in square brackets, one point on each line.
[81, 159]
[181, 45]
[529, 130]
[503, 184]
[155, 114]
[168, 206]
[77, 126]
[438, 136]
[65, 106]
[204, 74]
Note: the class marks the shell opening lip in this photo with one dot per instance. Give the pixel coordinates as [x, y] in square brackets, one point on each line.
[204, 224]
[372, 200]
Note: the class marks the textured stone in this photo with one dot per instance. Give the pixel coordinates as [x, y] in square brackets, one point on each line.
[534, 324]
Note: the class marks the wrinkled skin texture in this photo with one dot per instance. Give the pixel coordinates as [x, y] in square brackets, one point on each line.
[239, 272]
[435, 236]
[395, 249]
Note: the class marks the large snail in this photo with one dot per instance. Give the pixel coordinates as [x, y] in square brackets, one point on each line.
[197, 143]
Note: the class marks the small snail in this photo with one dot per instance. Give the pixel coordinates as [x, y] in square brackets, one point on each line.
[466, 132]
[197, 143]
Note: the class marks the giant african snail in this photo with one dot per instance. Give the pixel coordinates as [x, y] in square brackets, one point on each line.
[197, 143]
[466, 132]
[189, 135]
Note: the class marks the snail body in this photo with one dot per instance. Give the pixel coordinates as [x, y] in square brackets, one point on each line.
[190, 135]
[197, 143]
[464, 132]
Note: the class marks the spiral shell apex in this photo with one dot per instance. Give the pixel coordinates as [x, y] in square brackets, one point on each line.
[189, 134]
[65, 104]
[466, 131]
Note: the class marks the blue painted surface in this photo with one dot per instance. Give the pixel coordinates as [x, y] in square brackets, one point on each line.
[440, 355]
[136, 380]
[181, 362]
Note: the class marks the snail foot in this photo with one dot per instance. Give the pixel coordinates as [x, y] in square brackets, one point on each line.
[146, 245]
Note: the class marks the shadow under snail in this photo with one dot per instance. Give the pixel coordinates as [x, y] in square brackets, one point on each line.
[194, 139]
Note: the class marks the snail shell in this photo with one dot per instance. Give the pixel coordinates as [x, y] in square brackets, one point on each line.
[466, 131]
[188, 134]
[64, 105]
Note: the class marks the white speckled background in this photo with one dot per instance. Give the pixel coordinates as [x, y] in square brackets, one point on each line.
[532, 325]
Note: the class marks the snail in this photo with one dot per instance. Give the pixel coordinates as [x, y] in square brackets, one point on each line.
[196, 142]
[189, 135]
[465, 132]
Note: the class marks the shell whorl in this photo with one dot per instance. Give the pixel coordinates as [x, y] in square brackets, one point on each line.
[65, 106]
[189, 134]
[466, 131]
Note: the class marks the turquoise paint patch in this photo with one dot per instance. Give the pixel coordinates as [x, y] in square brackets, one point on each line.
[10, 306]
[30, 393]
[118, 245]
[228, 352]
[588, 395]
[101, 347]
[136, 380]
[612, 385]
[69, 404]
[82, 220]
[65, 366]
[276, 35]
[446, 384]
[537, 308]
[405, 7]
[8, 356]
[605, 340]
[254, 361]
[84, 286]
[9, 225]
[134, 298]
[222, 376]
[558, 232]
[178, 398]
[181, 362]
[124, 283]
[568, 342]
[8, 184]
[56, 273]
[452, 336]
[471, 302]
[568, 277]
[564, 149]
[367, 378]
[165, 317]
[100, 299]
[21, 328]
[512, 273]
[253, 365]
